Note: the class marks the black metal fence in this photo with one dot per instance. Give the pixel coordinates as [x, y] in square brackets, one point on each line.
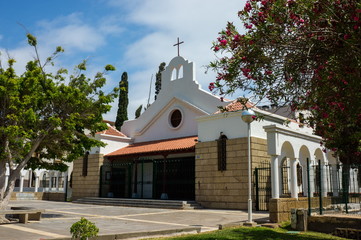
[334, 189]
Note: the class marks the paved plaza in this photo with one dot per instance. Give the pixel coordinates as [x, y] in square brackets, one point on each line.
[113, 220]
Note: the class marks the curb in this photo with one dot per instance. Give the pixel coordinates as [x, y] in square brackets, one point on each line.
[137, 235]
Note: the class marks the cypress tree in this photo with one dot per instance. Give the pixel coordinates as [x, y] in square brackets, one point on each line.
[122, 114]
[138, 111]
[158, 79]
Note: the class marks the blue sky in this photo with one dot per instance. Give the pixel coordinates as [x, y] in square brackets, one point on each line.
[133, 35]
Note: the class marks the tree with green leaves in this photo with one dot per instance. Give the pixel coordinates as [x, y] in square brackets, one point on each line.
[122, 114]
[46, 118]
[306, 54]
[158, 79]
[84, 229]
[138, 111]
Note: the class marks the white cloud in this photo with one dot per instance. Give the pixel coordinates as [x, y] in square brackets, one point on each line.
[196, 22]
[71, 33]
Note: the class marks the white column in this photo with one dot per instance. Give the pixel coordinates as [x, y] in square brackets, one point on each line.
[65, 179]
[304, 179]
[324, 180]
[275, 176]
[334, 180]
[21, 189]
[312, 178]
[293, 168]
[30, 178]
[36, 183]
[50, 182]
[6, 180]
[57, 182]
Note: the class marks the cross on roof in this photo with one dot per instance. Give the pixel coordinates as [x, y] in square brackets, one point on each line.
[177, 44]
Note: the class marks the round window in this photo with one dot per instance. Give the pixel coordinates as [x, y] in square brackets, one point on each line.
[175, 118]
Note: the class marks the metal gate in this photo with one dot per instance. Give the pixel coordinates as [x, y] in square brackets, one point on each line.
[180, 178]
[263, 186]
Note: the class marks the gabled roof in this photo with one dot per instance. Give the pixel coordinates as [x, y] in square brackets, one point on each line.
[184, 144]
[112, 131]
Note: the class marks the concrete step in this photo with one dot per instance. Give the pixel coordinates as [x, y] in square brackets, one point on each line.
[147, 203]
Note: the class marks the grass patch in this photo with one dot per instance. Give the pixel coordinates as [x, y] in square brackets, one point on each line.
[255, 233]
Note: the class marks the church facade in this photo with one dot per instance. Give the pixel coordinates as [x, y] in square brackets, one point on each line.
[183, 148]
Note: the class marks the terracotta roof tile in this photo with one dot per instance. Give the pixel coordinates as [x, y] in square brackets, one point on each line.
[156, 147]
[235, 105]
[112, 131]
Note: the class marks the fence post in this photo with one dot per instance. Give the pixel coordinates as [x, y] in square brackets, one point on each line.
[257, 192]
[308, 187]
[320, 182]
[345, 183]
[66, 188]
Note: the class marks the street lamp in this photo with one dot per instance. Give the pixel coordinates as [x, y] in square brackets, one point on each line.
[248, 116]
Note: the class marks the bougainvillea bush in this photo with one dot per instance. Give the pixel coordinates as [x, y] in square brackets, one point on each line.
[306, 54]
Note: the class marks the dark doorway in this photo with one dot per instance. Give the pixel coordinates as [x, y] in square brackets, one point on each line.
[118, 182]
[180, 178]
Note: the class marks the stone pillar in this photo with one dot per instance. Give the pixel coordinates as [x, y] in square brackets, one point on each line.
[312, 177]
[50, 182]
[36, 189]
[275, 176]
[293, 170]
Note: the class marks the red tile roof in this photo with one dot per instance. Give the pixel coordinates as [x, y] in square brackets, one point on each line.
[185, 144]
[112, 131]
[236, 106]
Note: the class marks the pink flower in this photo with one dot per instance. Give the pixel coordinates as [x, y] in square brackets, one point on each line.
[248, 26]
[211, 86]
[236, 38]
[268, 72]
[223, 42]
[347, 36]
[248, 7]
[216, 48]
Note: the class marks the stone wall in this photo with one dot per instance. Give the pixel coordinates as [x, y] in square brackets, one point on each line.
[328, 224]
[50, 196]
[86, 186]
[226, 189]
[280, 208]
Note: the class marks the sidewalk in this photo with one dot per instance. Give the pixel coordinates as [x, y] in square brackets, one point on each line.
[115, 220]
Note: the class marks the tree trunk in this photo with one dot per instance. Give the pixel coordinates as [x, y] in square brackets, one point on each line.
[6, 192]
[2, 178]
[5, 198]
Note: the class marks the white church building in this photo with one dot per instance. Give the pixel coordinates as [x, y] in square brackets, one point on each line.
[182, 147]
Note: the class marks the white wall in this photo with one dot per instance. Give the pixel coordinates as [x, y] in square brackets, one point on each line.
[184, 93]
[231, 124]
[113, 143]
